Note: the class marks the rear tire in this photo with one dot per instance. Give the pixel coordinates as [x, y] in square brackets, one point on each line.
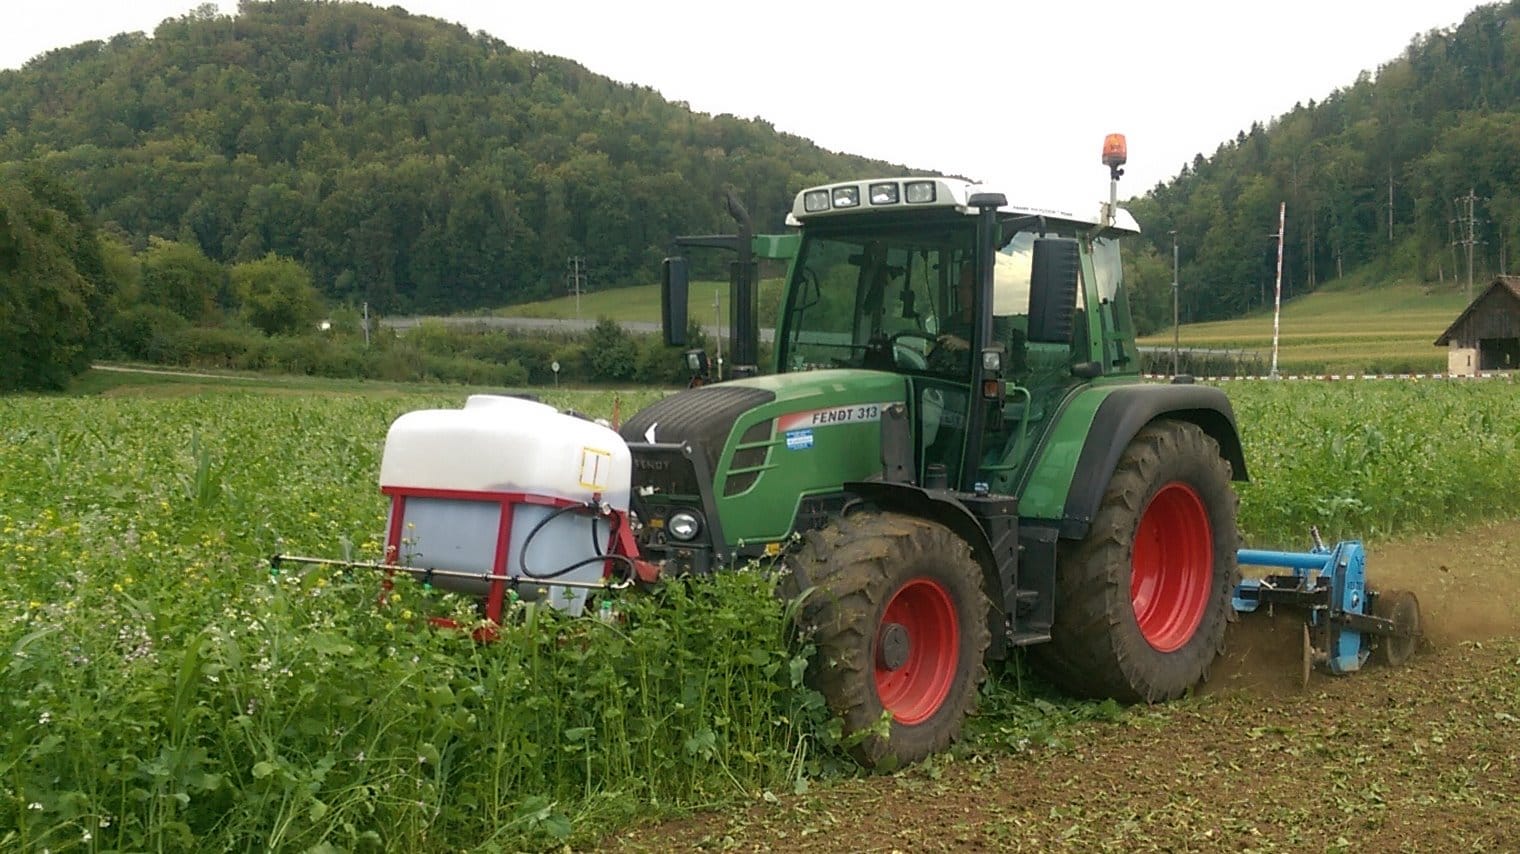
[1142, 601]
[896, 608]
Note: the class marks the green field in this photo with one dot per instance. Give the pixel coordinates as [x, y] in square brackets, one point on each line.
[637, 304]
[640, 303]
[1354, 330]
[165, 690]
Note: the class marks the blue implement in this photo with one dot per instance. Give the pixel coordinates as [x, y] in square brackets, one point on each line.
[1329, 585]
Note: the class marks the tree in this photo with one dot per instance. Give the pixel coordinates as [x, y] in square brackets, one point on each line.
[45, 302]
[276, 295]
[610, 352]
[179, 277]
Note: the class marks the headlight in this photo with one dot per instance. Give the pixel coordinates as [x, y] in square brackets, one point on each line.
[683, 525]
[920, 192]
[846, 197]
[883, 194]
[815, 200]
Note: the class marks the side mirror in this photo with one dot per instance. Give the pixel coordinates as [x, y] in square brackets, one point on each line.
[1053, 290]
[674, 286]
[698, 368]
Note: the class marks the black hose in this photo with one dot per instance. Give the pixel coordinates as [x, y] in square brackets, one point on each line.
[590, 510]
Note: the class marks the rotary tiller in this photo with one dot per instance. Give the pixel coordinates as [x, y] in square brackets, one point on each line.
[1345, 622]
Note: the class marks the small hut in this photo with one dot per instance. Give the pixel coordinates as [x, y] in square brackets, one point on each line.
[1486, 335]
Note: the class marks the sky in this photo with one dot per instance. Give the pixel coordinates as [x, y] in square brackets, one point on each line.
[1017, 94]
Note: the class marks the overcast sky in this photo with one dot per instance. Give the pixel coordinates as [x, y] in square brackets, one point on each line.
[1017, 94]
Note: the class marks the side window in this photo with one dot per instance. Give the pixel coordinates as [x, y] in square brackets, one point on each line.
[823, 308]
[1010, 276]
[1107, 268]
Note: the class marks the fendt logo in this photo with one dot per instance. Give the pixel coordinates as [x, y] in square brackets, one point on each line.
[855, 414]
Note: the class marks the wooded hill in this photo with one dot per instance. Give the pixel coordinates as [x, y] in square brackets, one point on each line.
[401, 159]
[406, 161]
[1375, 176]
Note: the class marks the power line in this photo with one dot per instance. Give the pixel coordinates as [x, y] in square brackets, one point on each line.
[1469, 220]
[575, 281]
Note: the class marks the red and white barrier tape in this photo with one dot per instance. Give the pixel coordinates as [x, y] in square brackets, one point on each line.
[1336, 377]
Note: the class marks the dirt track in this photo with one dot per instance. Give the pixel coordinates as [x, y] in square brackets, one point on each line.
[1423, 758]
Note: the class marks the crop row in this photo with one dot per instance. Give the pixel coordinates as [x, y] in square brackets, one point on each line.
[164, 690]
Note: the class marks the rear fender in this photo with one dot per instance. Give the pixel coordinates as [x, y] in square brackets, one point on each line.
[1121, 415]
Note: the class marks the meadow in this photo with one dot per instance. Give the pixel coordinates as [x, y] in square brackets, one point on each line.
[1342, 328]
[165, 690]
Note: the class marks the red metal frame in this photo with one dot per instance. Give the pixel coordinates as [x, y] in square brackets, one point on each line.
[620, 539]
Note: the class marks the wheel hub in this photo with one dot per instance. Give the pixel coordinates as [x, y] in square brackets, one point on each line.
[1172, 567]
[917, 651]
[892, 647]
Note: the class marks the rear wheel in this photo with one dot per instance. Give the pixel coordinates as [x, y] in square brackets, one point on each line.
[1142, 601]
[896, 608]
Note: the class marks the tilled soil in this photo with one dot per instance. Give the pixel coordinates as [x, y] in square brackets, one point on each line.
[1421, 758]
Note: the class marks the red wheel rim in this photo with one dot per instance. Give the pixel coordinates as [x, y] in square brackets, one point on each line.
[1171, 567]
[916, 690]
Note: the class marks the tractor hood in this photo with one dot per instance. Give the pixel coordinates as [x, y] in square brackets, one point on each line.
[706, 416]
[766, 444]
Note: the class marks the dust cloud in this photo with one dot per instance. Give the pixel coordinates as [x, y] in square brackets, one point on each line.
[1466, 583]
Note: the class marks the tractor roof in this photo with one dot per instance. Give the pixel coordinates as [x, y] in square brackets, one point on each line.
[847, 198]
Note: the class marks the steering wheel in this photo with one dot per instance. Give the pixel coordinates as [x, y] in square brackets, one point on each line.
[908, 356]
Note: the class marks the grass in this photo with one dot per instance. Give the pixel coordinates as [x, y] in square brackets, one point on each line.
[1374, 460]
[1340, 330]
[164, 690]
[639, 303]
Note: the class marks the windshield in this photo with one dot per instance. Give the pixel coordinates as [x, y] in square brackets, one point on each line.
[855, 295]
[897, 299]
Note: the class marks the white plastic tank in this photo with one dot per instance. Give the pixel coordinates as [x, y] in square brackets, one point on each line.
[455, 468]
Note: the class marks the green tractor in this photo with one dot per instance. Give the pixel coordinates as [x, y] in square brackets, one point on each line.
[953, 456]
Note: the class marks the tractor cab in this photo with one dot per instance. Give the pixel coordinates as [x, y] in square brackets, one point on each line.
[982, 306]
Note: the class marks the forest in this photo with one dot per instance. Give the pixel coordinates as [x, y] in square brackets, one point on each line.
[305, 157]
[401, 160]
[1376, 178]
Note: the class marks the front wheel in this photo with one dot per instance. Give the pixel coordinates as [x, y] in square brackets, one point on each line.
[1143, 600]
[896, 608]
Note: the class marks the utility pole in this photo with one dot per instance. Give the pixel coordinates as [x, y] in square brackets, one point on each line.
[1282, 219]
[1469, 220]
[1176, 328]
[575, 280]
[718, 338]
[366, 323]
